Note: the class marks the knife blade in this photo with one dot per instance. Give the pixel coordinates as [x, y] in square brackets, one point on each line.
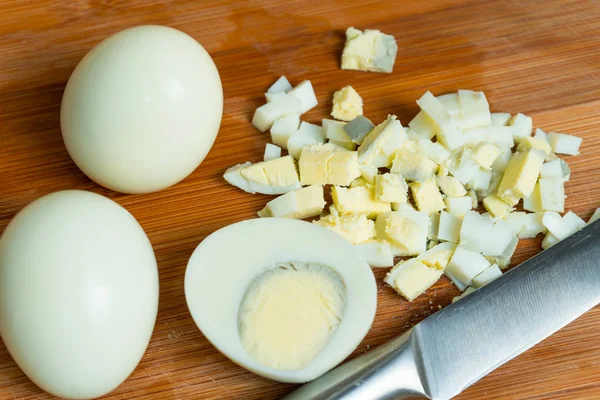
[455, 347]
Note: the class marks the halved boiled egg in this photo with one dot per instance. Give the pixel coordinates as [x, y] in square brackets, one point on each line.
[283, 298]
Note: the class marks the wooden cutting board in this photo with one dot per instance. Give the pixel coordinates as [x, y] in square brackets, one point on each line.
[539, 57]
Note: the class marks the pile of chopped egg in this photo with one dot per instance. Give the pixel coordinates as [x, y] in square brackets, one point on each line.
[413, 191]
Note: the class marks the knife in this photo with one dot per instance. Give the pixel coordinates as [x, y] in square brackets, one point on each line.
[458, 345]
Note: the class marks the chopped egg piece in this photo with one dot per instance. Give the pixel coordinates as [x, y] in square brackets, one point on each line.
[451, 102]
[307, 134]
[481, 181]
[283, 129]
[533, 203]
[358, 128]
[464, 266]
[271, 152]
[334, 130]
[521, 175]
[289, 313]
[451, 186]
[496, 206]
[359, 200]
[412, 278]
[391, 188]
[268, 177]
[500, 119]
[502, 161]
[413, 166]
[485, 154]
[438, 256]
[463, 167]
[447, 130]
[562, 227]
[434, 150]
[475, 231]
[377, 253]
[552, 169]
[498, 238]
[368, 172]
[370, 50]
[434, 225]
[379, 146]
[564, 144]
[355, 228]
[474, 109]
[406, 228]
[427, 196]
[347, 104]
[488, 275]
[300, 204]
[266, 115]
[281, 85]
[305, 93]
[533, 226]
[503, 260]
[534, 143]
[516, 221]
[549, 240]
[522, 126]
[325, 164]
[595, 216]
[464, 294]
[552, 194]
[274, 96]
[449, 227]
[423, 125]
[458, 206]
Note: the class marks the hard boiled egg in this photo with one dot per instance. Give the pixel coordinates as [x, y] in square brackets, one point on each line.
[142, 109]
[286, 299]
[78, 293]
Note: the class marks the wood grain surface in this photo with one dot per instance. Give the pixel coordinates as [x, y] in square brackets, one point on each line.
[541, 58]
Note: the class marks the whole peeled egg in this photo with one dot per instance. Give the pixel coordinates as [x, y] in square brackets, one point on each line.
[78, 293]
[142, 109]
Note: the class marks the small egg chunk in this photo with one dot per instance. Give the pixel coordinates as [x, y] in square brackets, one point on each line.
[500, 119]
[377, 253]
[370, 50]
[283, 129]
[427, 196]
[533, 203]
[447, 130]
[379, 146]
[474, 109]
[564, 144]
[307, 134]
[358, 128]
[413, 166]
[534, 143]
[552, 194]
[434, 225]
[503, 260]
[464, 266]
[423, 125]
[485, 154]
[435, 151]
[458, 206]
[271, 152]
[488, 275]
[325, 164]
[522, 126]
[496, 206]
[475, 231]
[347, 104]
[521, 175]
[305, 94]
[368, 172]
[268, 177]
[355, 228]
[302, 203]
[289, 313]
[281, 85]
[533, 226]
[407, 229]
[449, 227]
[334, 130]
[391, 188]
[463, 167]
[438, 256]
[451, 186]
[412, 278]
[359, 200]
[266, 115]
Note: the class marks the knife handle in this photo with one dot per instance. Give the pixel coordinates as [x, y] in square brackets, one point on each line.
[388, 372]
